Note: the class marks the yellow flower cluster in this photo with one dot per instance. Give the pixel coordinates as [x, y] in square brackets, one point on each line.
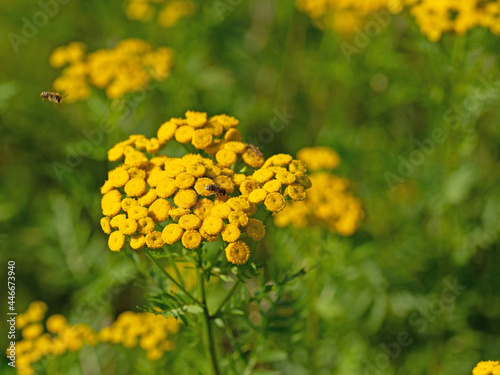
[128, 67]
[487, 368]
[329, 202]
[171, 12]
[157, 200]
[60, 338]
[433, 17]
[149, 331]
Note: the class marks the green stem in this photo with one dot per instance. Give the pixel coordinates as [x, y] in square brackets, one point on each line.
[228, 297]
[148, 253]
[210, 342]
[177, 272]
[237, 283]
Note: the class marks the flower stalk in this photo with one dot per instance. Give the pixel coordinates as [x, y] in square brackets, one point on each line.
[209, 339]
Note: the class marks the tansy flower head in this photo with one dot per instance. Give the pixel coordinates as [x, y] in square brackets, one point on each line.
[172, 233]
[212, 225]
[159, 209]
[166, 188]
[209, 237]
[154, 240]
[231, 233]
[272, 186]
[317, 158]
[128, 67]
[117, 220]
[127, 203]
[178, 212]
[116, 241]
[189, 221]
[118, 177]
[148, 197]
[257, 196]
[252, 159]
[274, 202]
[167, 131]
[296, 192]
[105, 225]
[238, 218]
[184, 180]
[249, 185]
[202, 139]
[194, 198]
[263, 175]
[128, 227]
[487, 368]
[237, 252]
[226, 157]
[137, 241]
[56, 323]
[234, 146]
[255, 229]
[184, 134]
[203, 208]
[327, 203]
[191, 239]
[221, 210]
[137, 212]
[32, 331]
[185, 198]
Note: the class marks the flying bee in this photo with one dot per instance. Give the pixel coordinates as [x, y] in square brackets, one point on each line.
[255, 150]
[216, 189]
[53, 97]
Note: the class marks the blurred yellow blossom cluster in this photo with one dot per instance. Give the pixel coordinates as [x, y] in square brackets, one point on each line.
[433, 17]
[155, 200]
[170, 13]
[487, 368]
[329, 202]
[57, 338]
[128, 67]
[149, 331]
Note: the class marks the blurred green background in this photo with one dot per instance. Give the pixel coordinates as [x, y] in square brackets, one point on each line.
[437, 226]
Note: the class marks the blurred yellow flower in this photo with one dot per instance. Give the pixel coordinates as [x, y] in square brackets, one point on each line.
[128, 67]
[168, 16]
[487, 368]
[36, 343]
[433, 17]
[255, 229]
[327, 203]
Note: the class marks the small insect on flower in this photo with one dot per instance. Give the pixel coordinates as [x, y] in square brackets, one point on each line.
[53, 97]
[255, 150]
[216, 189]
